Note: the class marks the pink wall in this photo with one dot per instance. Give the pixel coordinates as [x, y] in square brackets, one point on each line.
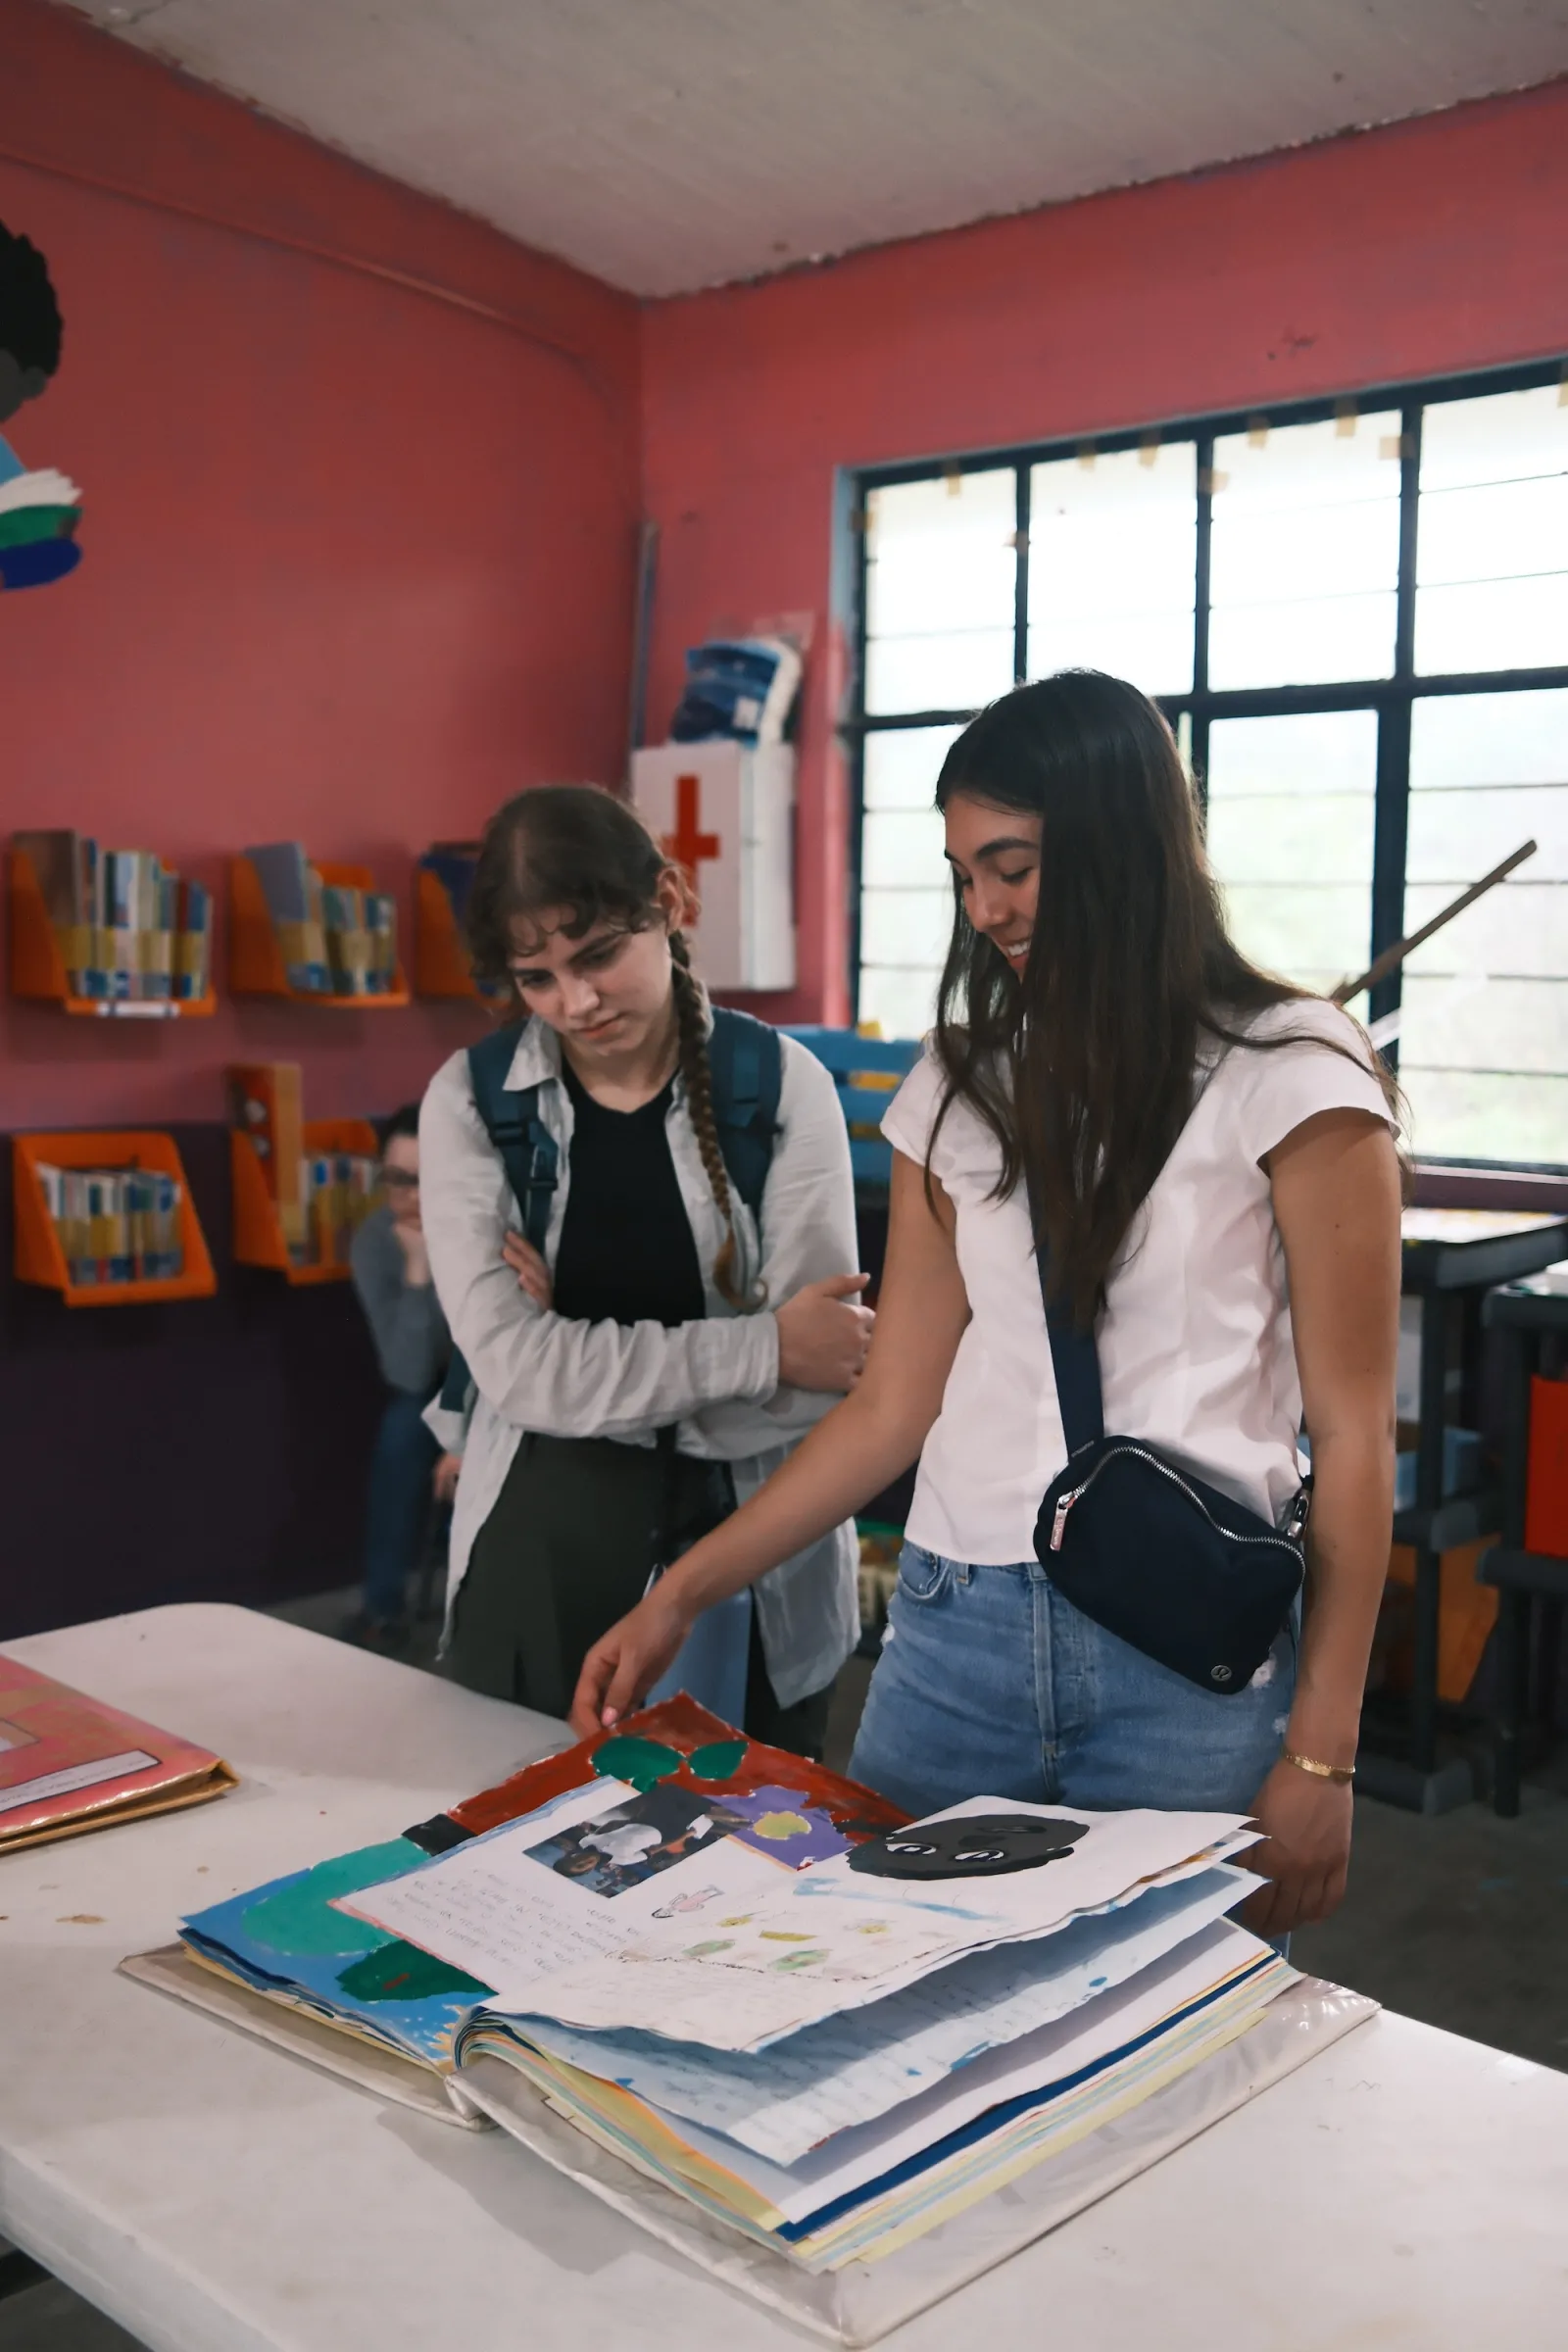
[357, 563]
[1432, 247]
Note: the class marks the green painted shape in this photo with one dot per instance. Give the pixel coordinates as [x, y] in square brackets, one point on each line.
[23, 526]
[641, 1763]
[401, 1972]
[300, 1919]
[718, 1761]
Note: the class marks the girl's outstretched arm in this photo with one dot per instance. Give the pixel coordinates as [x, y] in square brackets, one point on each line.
[861, 1446]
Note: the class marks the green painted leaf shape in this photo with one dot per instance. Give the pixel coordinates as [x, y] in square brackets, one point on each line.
[640, 1762]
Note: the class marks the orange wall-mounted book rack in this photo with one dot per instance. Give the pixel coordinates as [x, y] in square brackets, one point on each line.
[38, 966]
[256, 965]
[440, 958]
[39, 1257]
[258, 1234]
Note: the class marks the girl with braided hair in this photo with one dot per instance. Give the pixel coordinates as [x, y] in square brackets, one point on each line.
[665, 1349]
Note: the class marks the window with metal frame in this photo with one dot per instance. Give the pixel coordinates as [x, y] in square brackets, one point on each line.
[1355, 612]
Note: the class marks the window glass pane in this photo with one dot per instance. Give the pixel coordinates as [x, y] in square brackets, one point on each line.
[903, 1001]
[1291, 810]
[958, 671]
[901, 849]
[1492, 551]
[902, 766]
[1112, 561]
[906, 927]
[905, 898]
[1484, 1026]
[1304, 553]
[941, 578]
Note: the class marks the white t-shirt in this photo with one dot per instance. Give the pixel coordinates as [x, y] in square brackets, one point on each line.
[624, 1841]
[1195, 1352]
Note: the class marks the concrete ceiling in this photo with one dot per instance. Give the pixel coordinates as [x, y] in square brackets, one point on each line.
[670, 144]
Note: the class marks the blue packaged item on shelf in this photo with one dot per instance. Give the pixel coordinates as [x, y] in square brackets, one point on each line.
[1462, 1467]
[738, 687]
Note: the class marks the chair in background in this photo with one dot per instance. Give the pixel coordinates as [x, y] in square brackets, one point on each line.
[853, 1059]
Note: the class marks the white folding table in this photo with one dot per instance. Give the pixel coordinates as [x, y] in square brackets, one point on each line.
[1405, 2190]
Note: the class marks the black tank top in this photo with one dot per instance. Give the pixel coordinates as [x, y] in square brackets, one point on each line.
[627, 1253]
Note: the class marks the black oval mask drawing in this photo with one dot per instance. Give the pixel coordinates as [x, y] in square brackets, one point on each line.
[976, 1846]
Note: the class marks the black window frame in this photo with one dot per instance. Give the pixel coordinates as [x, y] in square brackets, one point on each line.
[1391, 697]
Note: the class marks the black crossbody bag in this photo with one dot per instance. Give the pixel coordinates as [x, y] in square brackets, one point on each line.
[1165, 1561]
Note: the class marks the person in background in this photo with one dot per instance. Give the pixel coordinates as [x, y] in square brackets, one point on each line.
[668, 1347]
[391, 1268]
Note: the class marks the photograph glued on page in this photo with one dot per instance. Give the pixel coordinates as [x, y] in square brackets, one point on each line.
[631, 1842]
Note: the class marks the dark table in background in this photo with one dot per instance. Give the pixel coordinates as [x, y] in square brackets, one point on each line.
[1452, 1257]
[1531, 1317]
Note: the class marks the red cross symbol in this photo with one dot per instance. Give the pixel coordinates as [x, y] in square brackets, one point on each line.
[688, 845]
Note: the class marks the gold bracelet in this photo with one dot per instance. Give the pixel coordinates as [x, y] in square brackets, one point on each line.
[1320, 1772]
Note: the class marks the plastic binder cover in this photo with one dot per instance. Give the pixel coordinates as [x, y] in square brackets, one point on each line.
[69, 1763]
[864, 2301]
[329, 2048]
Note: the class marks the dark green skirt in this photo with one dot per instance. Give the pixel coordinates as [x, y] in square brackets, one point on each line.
[575, 1533]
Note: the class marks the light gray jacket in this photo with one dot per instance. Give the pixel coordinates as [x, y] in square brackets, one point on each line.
[717, 1379]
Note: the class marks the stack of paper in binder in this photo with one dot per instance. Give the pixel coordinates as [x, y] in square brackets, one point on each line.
[758, 2001]
[830, 2059]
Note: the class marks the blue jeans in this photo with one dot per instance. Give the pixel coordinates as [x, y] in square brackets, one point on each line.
[398, 1507]
[990, 1683]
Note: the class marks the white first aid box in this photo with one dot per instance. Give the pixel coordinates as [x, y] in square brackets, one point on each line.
[725, 811]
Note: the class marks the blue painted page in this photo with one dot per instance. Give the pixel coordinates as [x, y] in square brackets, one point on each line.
[286, 1937]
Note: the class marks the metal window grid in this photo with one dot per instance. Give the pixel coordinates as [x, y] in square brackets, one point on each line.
[1391, 697]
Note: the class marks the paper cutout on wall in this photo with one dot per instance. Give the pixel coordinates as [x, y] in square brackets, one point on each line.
[38, 511]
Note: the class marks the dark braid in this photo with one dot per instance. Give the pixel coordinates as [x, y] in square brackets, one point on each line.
[690, 1027]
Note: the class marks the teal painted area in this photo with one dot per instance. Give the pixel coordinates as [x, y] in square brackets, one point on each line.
[400, 1972]
[298, 1918]
[718, 1761]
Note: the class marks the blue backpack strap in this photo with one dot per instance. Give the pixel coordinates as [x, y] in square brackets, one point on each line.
[747, 1062]
[512, 1120]
[528, 1154]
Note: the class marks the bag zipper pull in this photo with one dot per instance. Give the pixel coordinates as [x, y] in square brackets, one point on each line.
[1058, 1524]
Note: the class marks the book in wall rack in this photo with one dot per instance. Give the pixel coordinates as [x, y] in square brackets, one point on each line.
[40, 1253]
[259, 1237]
[440, 958]
[256, 961]
[39, 969]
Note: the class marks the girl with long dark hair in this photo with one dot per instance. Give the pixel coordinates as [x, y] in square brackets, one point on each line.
[663, 1347]
[1202, 1158]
